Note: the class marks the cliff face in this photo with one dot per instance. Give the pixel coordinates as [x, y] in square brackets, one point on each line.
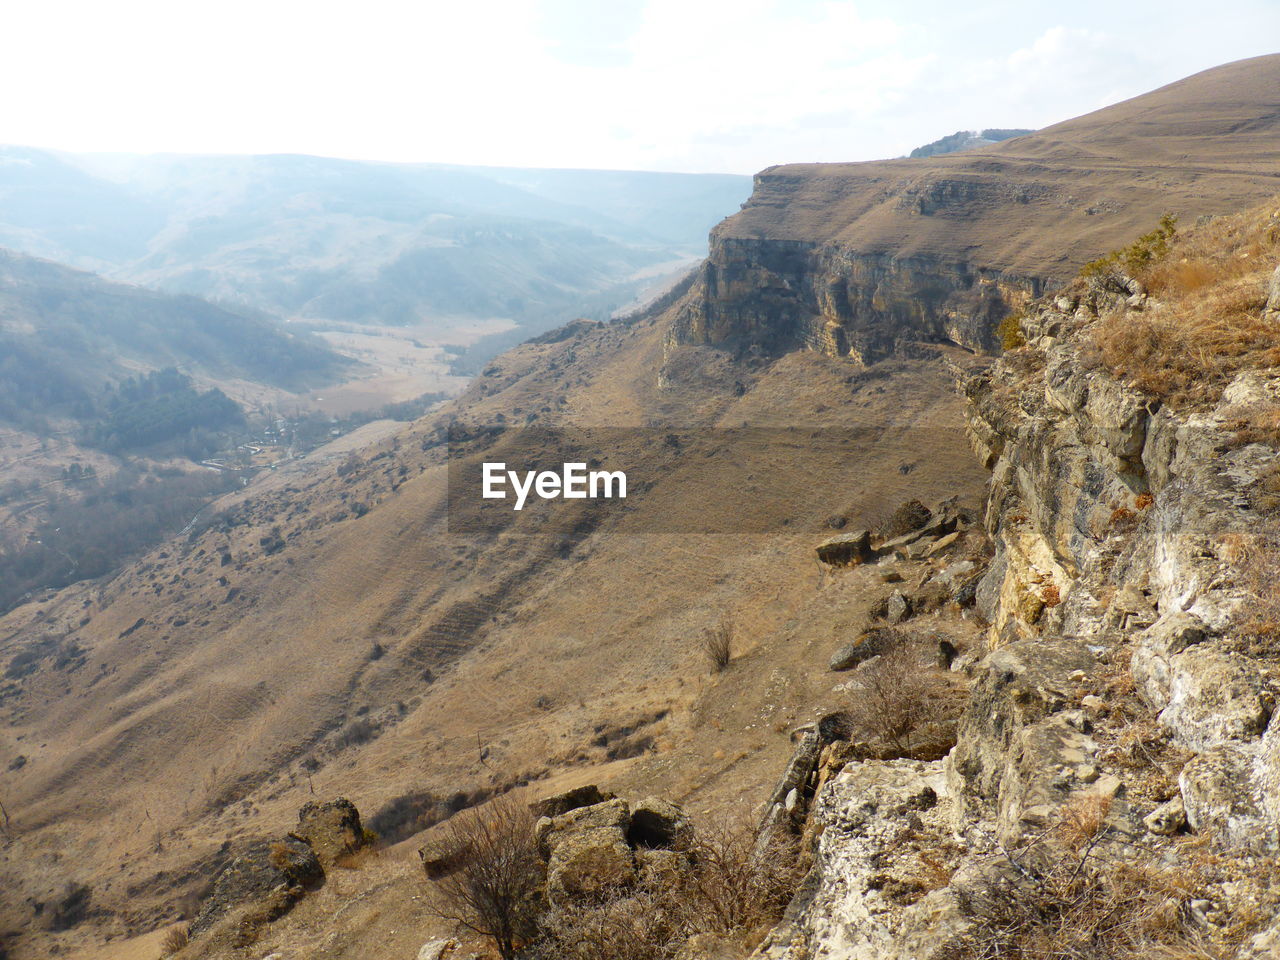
[780, 295]
[1128, 681]
[855, 259]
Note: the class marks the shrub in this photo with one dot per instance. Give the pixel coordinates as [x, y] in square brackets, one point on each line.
[911, 515]
[175, 940]
[725, 886]
[639, 926]
[355, 733]
[1010, 331]
[1069, 895]
[1139, 255]
[1204, 322]
[894, 699]
[717, 644]
[732, 885]
[494, 886]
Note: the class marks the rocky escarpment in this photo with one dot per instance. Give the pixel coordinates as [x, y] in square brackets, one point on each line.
[1118, 756]
[857, 259]
[780, 295]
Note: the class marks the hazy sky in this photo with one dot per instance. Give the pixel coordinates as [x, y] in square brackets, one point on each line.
[695, 85]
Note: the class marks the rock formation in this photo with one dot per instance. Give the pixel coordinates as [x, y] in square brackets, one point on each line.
[859, 259]
[1128, 690]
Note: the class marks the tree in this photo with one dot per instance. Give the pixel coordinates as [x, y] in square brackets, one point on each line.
[492, 884]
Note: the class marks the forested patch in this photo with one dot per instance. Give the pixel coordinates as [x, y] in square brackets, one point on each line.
[91, 530]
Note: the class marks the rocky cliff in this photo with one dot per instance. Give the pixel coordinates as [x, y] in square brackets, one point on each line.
[1113, 787]
[854, 259]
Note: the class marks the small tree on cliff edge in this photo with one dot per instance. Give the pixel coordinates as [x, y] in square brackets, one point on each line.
[494, 886]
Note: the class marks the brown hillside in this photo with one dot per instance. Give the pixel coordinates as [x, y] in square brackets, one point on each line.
[328, 635]
[373, 655]
[846, 258]
[1042, 204]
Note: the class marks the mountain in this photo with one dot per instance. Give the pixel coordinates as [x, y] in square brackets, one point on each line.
[66, 334]
[846, 258]
[967, 140]
[339, 629]
[369, 242]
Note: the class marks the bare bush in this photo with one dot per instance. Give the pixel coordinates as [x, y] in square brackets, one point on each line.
[494, 885]
[1055, 903]
[717, 644]
[732, 885]
[639, 926]
[722, 885]
[909, 516]
[1082, 891]
[894, 699]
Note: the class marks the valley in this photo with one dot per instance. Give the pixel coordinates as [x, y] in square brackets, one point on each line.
[1030, 517]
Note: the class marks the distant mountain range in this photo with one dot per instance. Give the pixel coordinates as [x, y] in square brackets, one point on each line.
[368, 242]
[967, 140]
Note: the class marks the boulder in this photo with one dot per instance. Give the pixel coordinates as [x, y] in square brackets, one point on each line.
[897, 607]
[270, 876]
[611, 815]
[656, 824]
[846, 550]
[584, 796]
[942, 543]
[332, 829]
[870, 643]
[1167, 819]
[1271, 313]
[1221, 798]
[1214, 697]
[588, 863]
[440, 858]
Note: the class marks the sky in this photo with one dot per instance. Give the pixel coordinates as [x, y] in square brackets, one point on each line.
[727, 86]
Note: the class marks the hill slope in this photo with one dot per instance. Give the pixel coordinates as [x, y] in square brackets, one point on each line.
[327, 631]
[844, 257]
[65, 333]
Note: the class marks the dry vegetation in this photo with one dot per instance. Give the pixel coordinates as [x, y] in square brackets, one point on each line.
[897, 702]
[174, 941]
[1203, 323]
[1080, 891]
[1252, 557]
[495, 888]
[716, 882]
[717, 645]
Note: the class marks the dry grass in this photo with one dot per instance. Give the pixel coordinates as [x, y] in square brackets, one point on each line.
[1072, 894]
[1259, 426]
[724, 888]
[1204, 324]
[174, 941]
[717, 644]
[1253, 560]
[494, 888]
[1082, 820]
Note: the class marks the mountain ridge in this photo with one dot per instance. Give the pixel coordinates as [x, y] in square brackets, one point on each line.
[322, 631]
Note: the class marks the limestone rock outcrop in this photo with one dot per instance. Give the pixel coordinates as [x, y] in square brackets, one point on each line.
[603, 847]
[1123, 690]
